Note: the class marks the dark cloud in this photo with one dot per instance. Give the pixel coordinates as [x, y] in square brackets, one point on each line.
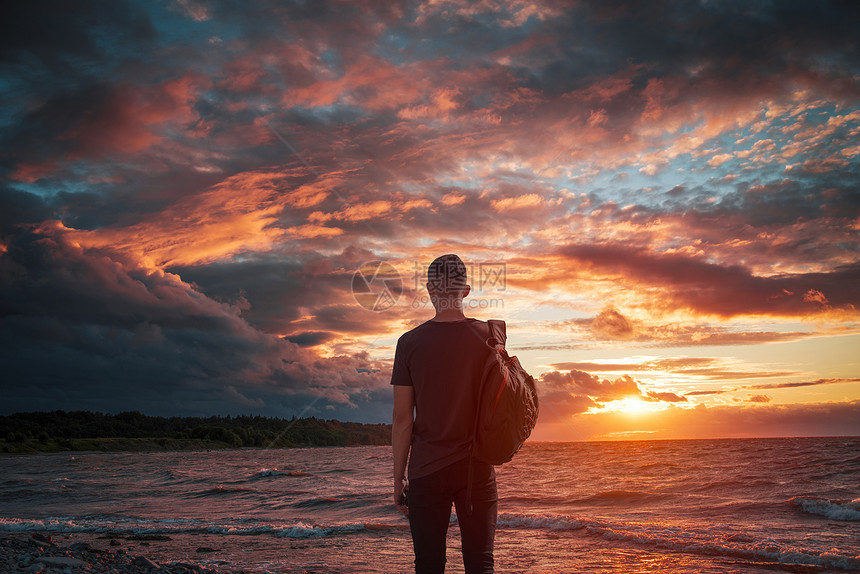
[729, 290]
[57, 33]
[78, 327]
[310, 338]
[785, 202]
[57, 55]
[274, 289]
[611, 324]
[20, 208]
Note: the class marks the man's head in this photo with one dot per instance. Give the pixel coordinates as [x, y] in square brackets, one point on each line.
[446, 280]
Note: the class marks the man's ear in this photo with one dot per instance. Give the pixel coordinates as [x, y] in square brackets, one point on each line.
[466, 291]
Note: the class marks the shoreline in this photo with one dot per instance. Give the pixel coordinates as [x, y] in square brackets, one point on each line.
[35, 553]
[125, 445]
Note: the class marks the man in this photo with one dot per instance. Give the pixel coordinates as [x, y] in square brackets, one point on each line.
[436, 377]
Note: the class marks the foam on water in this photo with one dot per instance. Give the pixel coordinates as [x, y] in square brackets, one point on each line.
[834, 510]
[714, 541]
[106, 525]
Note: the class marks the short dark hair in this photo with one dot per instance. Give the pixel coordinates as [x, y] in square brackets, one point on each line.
[447, 274]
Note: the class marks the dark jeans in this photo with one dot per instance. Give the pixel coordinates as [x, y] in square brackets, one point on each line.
[430, 499]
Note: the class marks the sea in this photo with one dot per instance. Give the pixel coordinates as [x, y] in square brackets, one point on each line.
[703, 506]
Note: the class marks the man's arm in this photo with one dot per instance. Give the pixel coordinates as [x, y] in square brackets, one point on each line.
[401, 438]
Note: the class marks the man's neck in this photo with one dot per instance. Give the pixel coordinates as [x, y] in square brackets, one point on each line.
[449, 315]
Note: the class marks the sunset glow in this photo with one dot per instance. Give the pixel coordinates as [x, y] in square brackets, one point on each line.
[662, 203]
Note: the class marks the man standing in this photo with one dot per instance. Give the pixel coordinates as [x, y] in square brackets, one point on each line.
[436, 377]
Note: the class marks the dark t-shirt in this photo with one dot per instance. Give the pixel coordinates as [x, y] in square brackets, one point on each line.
[443, 362]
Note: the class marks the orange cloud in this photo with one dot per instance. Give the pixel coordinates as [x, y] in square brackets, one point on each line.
[369, 82]
[239, 214]
[613, 324]
[450, 199]
[443, 102]
[311, 231]
[518, 202]
[577, 391]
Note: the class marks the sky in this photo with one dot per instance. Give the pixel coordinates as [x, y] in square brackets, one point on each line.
[228, 208]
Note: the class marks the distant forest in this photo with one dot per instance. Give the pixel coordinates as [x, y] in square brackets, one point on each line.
[85, 430]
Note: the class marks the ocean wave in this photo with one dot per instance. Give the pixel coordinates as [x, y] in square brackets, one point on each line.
[222, 491]
[135, 526]
[611, 497]
[177, 476]
[848, 511]
[548, 521]
[730, 485]
[321, 501]
[603, 498]
[268, 472]
[709, 542]
[302, 530]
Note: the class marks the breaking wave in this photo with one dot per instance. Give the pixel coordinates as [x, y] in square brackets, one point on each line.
[834, 510]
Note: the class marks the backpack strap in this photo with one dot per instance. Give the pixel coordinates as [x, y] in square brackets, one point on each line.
[498, 332]
[498, 336]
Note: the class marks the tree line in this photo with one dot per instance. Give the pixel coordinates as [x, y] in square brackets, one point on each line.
[86, 430]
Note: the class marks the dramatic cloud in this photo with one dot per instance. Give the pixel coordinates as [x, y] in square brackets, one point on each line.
[667, 191]
[689, 283]
[97, 331]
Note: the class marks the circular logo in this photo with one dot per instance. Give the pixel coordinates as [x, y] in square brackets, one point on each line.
[377, 286]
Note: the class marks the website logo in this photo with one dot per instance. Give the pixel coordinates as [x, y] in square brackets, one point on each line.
[377, 286]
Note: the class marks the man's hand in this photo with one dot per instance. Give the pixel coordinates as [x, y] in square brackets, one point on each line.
[401, 439]
[400, 485]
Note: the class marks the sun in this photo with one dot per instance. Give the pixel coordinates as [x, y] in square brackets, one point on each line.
[630, 405]
[636, 406]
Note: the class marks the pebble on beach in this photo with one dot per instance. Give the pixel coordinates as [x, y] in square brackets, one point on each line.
[38, 553]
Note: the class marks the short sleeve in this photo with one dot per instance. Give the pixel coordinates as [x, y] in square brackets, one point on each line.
[400, 372]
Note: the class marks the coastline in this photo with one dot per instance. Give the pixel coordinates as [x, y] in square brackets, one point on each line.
[60, 431]
[114, 444]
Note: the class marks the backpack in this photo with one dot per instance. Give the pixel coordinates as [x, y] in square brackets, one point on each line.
[508, 403]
